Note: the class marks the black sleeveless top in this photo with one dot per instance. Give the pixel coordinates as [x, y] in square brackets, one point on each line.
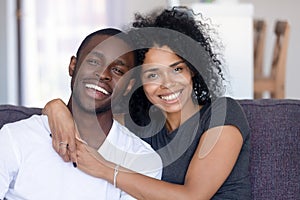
[178, 147]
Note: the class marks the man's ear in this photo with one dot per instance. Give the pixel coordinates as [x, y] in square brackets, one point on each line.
[72, 65]
[129, 87]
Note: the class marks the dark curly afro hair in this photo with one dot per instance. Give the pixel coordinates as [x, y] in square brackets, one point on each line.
[190, 39]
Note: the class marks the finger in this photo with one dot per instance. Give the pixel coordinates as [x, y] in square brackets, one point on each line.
[66, 157]
[55, 142]
[77, 135]
[79, 145]
[61, 139]
[72, 145]
[63, 148]
[72, 151]
[59, 142]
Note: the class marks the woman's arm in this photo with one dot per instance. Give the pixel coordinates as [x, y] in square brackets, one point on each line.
[63, 134]
[211, 164]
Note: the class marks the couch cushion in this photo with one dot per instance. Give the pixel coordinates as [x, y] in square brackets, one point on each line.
[12, 113]
[275, 147]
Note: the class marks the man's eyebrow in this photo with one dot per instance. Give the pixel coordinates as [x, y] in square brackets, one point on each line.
[121, 62]
[98, 54]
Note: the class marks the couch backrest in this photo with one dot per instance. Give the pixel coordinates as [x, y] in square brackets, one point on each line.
[12, 113]
[275, 144]
[275, 147]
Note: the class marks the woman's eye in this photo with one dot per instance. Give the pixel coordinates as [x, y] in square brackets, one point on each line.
[151, 76]
[178, 69]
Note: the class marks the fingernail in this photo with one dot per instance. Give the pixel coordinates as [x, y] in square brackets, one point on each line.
[50, 135]
[75, 164]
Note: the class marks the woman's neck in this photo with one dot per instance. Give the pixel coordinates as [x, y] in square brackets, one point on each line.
[174, 120]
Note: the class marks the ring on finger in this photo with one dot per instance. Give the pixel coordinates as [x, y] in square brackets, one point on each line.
[63, 144]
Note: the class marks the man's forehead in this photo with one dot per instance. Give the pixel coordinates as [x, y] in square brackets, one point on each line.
[107, 45]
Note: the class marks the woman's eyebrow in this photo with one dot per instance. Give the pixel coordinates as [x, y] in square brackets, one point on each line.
[150, 70]
[176, 63]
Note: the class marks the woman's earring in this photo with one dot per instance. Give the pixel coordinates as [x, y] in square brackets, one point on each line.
[196, 91]
[200, 94]
[203, 96]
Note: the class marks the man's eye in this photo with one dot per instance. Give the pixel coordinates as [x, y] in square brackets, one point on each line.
[94, 62]
[118, 71]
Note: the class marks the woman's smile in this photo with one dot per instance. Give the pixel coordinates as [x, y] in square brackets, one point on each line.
[170, 97]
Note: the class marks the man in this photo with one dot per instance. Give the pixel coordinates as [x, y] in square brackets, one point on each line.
[31, 169]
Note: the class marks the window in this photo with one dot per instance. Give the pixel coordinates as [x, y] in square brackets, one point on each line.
[52, 30]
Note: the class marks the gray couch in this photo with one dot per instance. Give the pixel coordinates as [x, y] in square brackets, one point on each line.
[275, 153]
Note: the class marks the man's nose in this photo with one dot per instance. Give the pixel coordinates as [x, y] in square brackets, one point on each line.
[103, 73]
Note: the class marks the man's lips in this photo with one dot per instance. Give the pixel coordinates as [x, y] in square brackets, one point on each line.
[97, 88]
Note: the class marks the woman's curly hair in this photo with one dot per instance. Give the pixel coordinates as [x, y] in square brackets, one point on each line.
[190, 39]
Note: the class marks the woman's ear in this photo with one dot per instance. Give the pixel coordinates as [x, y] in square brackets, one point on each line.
[72, 65]
[192, 73]
[129, 87]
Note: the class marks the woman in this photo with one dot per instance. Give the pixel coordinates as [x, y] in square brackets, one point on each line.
[175, 105]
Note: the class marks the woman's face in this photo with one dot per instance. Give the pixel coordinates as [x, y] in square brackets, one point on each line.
[167, 80]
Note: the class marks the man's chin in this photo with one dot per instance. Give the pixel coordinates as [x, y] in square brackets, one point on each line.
[102, 110]
[96, 110]
[91, 107]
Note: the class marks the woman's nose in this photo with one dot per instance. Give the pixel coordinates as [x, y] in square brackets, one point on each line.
[167, 82]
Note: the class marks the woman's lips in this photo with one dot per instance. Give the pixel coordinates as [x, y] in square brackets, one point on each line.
[171, 97]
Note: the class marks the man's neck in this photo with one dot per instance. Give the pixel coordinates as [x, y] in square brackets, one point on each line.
[93, 128]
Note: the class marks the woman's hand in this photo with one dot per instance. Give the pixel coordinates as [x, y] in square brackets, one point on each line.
[62, 128]
[92, 163]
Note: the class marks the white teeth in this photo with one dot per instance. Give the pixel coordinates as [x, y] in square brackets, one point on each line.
[171, 96]
[96, 87]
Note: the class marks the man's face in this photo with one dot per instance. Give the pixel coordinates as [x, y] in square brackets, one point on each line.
[102, 62]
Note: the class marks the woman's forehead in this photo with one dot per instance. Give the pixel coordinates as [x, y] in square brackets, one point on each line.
[161, 55]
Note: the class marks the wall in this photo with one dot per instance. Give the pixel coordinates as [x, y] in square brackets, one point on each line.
[8, 58]
[272, 10]
[288, 9]
[125, 10]
[120, 13]
[3, 53]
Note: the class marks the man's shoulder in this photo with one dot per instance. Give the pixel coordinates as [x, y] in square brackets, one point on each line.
[123, 130]
[34, 119]
[33, 124]
[127, 141]
[120, 133]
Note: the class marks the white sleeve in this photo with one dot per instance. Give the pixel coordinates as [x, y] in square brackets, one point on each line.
[8, 160]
